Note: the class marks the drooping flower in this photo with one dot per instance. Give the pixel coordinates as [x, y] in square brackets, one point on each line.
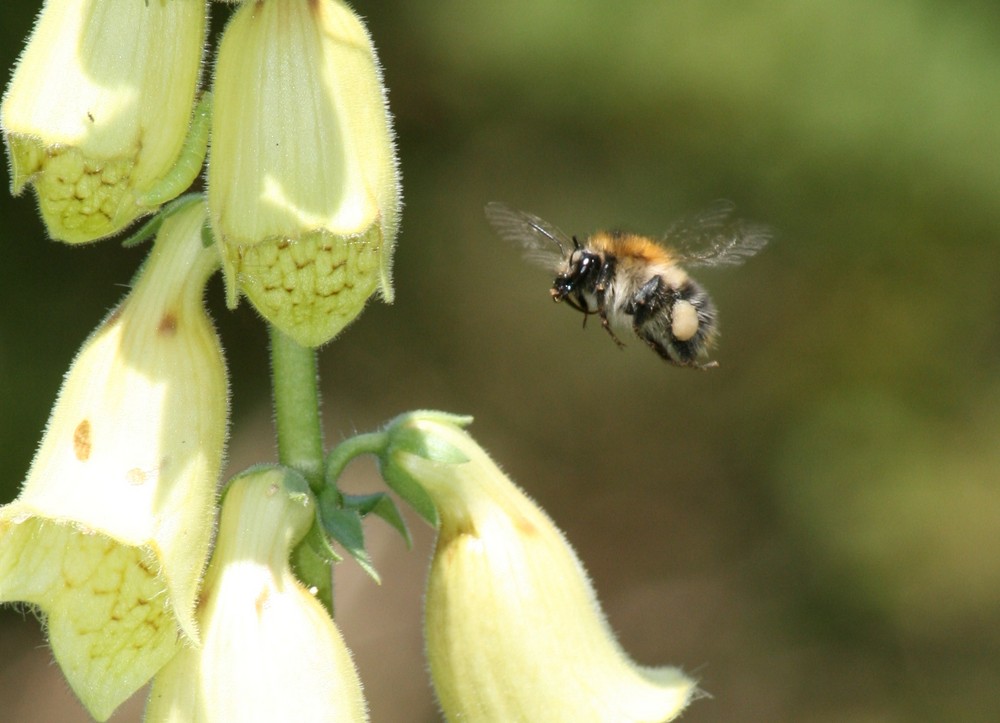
[269, 650]
[99, 106]
[303, 185]
[513, 628]
[110, 533]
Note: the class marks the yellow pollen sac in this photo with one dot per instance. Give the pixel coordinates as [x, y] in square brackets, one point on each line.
[684, 324]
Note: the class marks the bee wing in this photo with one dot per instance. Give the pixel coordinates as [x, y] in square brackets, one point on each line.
[543, 243]
[714, 238]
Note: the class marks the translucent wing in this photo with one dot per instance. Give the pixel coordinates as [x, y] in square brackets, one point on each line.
[714, 238]
[542, 242]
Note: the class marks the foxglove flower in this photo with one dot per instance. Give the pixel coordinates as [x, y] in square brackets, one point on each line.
[303, 186]
[514, 631]
[99, 106]
[269, 651]
[110, 533]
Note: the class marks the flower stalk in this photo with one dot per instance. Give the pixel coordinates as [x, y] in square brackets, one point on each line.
[295, 386]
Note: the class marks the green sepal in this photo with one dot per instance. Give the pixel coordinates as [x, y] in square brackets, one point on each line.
[189, 161]
[343, 524]
[312, 560]
[383, 445]
[406, 436]
[207, 237]
[409, 489]
[381, 505]
[401, 435]
[431, 448]
[149, 229]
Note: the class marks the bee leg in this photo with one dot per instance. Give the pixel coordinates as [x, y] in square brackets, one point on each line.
[605, 275]
[607, 327]
[656, 346]
[666, 355]
[604, 278]
[579, 303]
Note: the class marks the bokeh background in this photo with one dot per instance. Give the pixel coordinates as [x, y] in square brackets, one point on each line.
[813, 529]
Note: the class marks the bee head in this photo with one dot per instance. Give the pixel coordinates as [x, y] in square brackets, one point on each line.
[578, 272]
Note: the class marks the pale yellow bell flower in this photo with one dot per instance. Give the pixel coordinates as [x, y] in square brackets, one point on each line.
[99, 106]
[269, 650]
[303, 185]
[110, 533]
[514, 631]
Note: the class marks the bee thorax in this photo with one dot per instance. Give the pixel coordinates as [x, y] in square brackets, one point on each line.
[674, 276]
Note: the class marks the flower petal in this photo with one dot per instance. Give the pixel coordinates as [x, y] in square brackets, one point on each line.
[514, 630]
[110, 533]
[303, 184]
[270, 652]
[99, 106]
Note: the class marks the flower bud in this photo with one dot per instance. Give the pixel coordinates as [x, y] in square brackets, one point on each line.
[269, 650]
[514, 630]
[302, 180]
[99, 106]
[110, 534]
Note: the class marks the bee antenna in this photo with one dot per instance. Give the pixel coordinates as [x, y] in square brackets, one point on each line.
[576, 243]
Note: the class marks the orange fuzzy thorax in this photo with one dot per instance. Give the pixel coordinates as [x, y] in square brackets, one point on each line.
[625, 245]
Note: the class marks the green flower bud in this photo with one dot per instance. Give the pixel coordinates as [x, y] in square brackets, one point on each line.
[269, 650]
[111, 531]
[514, 630]
[303, 187]
[99, 106]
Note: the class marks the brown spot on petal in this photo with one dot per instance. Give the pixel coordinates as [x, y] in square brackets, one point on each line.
[82, 444]
[261, 602]
[168, 324]
[525, 527]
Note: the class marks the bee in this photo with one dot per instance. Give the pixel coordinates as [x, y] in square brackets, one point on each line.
[632, 281]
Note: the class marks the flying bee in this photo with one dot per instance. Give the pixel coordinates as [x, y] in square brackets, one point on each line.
[631, 281]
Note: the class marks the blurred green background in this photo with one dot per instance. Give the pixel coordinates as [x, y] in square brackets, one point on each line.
[812, 530]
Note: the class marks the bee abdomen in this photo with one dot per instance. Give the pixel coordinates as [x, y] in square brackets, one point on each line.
[678, 322]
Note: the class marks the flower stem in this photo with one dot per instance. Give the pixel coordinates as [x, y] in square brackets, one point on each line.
[295, 385]
[341, 455]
